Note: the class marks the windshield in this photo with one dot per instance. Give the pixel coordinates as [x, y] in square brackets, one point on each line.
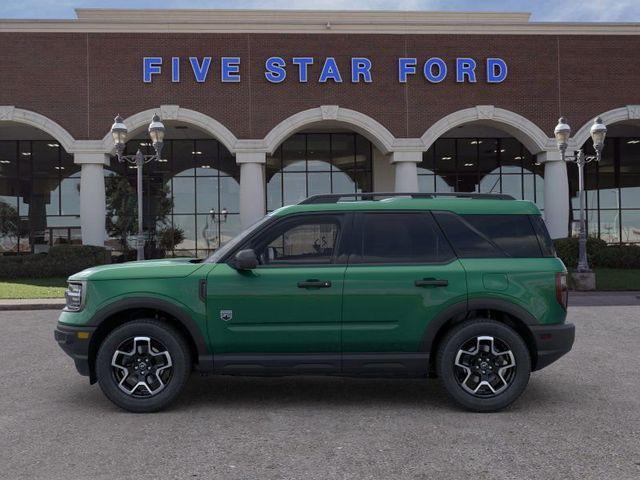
[235, 241]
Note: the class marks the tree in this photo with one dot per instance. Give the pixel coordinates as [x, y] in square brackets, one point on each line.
[122, 209]
[9, 221]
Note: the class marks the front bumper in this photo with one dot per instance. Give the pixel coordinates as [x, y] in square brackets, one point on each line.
[552, 342]
[75, 343]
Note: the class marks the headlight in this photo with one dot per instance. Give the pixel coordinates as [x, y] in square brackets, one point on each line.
[74, 296]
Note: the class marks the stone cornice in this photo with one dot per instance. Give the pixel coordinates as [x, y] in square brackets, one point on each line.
[303, 21]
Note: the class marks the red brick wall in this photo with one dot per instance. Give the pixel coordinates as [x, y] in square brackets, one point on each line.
[82, 80]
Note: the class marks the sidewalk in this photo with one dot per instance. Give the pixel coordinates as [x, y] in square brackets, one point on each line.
[576, 299]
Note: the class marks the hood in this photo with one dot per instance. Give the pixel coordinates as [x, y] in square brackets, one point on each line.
[165, 268]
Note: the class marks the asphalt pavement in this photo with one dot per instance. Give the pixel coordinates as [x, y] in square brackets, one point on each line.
[579, 418]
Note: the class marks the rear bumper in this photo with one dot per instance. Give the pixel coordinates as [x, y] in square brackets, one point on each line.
[75, 343]
[552, 342]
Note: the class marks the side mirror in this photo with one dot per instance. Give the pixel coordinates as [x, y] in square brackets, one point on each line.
[245, 260]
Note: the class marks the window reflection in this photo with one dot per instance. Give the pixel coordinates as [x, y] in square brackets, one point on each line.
[39, 196]
[203, 180]
[316, 163]
[612, 188]
[486, 165]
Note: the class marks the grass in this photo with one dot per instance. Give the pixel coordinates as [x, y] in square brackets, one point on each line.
[33, 288]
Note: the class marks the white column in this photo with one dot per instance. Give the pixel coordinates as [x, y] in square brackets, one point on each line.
[92, 197]
[252, 188]
[556, 194]
[406, 167]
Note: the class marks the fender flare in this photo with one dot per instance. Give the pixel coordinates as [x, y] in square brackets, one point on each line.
[462, 309]
[205, 359]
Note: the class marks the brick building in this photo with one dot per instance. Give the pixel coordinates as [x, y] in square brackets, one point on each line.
[264, 108]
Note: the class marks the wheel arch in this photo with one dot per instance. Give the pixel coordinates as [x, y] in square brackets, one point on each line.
[127, 310]
[500, 310]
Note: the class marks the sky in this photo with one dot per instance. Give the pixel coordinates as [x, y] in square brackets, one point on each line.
[542, 10]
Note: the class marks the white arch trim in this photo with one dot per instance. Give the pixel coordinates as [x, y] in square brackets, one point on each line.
[531, 136]
[9, 113]
[629, 112]
[177, 113]
[382, 138]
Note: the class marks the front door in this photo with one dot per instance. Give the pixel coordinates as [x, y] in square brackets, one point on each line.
[401, 275]
[290, 306]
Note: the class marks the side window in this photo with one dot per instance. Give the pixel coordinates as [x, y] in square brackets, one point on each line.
[512, 233]
[402, 238]
[305, 242]
[467, 241]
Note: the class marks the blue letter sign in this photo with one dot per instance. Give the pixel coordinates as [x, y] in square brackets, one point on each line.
[434, 69]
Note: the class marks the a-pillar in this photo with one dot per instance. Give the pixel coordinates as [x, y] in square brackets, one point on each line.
[252, 188]
[92, 196]
[406, 170]
[556, 194]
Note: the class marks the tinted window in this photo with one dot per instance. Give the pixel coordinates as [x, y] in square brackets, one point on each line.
[512, 233]
[467, 241]
[303, 242]
[546, 244]
[402, 238]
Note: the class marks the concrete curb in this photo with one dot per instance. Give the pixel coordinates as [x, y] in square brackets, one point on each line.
[32, 304]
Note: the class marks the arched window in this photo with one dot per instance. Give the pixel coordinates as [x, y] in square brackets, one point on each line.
[202, 179]
[315, 163]
[485, 165]
[39, 195]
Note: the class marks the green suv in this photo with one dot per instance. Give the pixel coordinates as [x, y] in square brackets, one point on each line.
[463, 287]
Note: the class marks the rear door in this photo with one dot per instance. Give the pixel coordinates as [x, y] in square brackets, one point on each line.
[402, 273]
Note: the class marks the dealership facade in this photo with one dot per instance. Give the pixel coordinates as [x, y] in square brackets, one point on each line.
[263, 108]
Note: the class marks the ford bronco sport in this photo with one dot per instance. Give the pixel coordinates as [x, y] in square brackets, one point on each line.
[465, 287]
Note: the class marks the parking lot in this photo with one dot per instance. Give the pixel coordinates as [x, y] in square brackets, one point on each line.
[579, 418]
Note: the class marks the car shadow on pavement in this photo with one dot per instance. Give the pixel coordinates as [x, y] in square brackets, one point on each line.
[245, 393]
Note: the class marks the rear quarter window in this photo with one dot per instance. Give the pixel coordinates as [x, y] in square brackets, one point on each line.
[514, 234]
[496, 236]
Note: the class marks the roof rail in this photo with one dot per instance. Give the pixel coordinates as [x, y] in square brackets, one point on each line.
[337, 197]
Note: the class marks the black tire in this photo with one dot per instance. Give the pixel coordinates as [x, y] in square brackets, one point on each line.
[168, 382]
[460, 381]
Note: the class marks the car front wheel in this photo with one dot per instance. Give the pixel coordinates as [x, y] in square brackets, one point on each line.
[143, 365]
[484, 365]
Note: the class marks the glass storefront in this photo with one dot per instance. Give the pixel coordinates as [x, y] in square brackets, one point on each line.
[39, 196]
[314, 163]
[203, 180]
[40, 185]
[612, 191]
[485, 165]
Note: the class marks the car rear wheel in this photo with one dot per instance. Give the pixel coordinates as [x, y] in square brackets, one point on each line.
[484, 365]
[143, 365]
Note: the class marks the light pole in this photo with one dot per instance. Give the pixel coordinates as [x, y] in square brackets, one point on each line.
[562, 133]
[119, 133]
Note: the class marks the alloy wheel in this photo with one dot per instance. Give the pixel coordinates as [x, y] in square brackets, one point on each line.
[141, 366]
[485, 366]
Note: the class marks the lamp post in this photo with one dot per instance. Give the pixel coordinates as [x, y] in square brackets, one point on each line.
[562, 133]
[210, 231]
[119, 133]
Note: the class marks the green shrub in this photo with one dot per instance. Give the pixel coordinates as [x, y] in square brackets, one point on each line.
[61, 261]
[567, 250]
[618, 256]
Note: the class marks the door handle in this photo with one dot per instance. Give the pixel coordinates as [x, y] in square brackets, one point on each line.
[431, 282]
[314, 284]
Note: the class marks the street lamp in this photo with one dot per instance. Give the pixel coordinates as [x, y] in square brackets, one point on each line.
[119, 133]
[562, 133]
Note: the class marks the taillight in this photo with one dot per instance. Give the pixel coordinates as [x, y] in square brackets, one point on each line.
[562, 289]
